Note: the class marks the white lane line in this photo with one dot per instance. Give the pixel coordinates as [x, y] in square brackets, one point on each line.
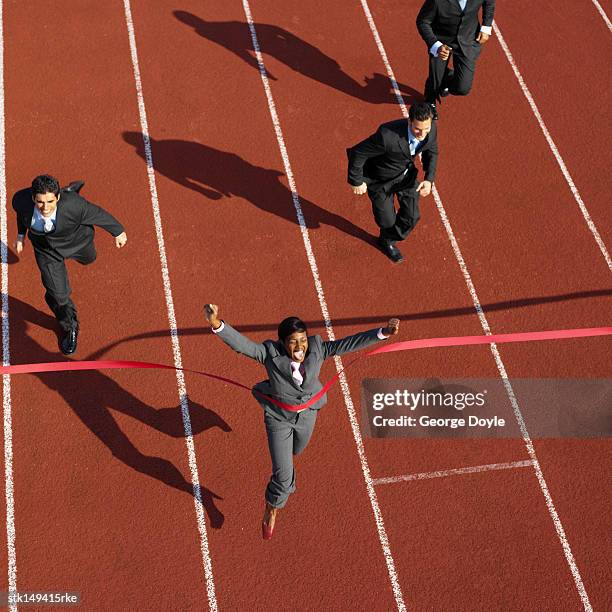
[490, 467]
[382, 534]
[553, 147]
[173, 331]
[6, 353]
[502, 371]
[603, 14]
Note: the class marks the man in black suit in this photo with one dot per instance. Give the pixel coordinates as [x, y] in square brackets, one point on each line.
[452, 27]
[60, 224]
[383, 165]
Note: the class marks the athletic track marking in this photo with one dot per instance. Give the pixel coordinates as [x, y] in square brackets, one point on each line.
[553, 148]
[454, 472]
[487, 330]
[603, 14]
[6, 354]
[382, 534]
[176, 349]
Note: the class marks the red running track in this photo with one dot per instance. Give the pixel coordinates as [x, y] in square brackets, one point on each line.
[102, 484]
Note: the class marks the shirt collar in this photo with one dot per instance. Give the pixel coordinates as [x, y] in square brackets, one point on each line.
[39, 217]
[411, 137]
[413, 141]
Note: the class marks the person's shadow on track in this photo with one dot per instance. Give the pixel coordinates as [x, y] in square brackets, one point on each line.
[92, 395]
[295, 53]
[220, 174]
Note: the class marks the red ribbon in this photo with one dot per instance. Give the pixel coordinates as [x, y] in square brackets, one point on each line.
[559, 334]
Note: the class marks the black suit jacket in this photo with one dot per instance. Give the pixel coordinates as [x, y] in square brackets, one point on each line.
[443, 20]
[74, 223]
[382, 158]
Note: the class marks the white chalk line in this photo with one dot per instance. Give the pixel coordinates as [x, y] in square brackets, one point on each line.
[603, 14]
[493, 347]
[173, 330]
[553, 147]
[382, 534]
[474, 469]
[6, 353]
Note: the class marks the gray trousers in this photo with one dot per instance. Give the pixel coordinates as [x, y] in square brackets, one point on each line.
[285, 439]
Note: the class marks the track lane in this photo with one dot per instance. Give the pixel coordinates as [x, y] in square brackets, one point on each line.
[559, 49]
[244, 251]
[552, 254]
[100, 463]
[299, 25]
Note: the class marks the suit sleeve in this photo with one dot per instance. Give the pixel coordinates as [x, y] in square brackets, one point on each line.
[241, 344]
[94, 215]
[360, 153]
[430, 160]
[488, 8]
[350, 343]
[424, 22]
[22, 228]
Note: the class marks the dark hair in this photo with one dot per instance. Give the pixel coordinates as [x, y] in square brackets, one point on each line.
[288, 326]
[420, 111]
[45, 183]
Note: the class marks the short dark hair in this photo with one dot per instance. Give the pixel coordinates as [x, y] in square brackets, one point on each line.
[290, 325]
[45, 183]
[420, 111]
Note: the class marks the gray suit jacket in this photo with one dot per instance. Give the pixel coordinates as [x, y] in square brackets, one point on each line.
[281, 385]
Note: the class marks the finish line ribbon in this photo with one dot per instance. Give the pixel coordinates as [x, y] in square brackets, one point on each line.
[559, 334]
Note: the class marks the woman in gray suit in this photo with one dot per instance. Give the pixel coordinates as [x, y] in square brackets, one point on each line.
[293, 363]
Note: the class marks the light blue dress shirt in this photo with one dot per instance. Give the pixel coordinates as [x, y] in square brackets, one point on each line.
[38, 221]
[413, 141]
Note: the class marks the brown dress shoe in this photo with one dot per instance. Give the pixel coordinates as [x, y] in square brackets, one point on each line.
[269, 518]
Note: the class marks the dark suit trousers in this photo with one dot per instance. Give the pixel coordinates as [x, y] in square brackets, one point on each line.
[285, 439]
[54, 277]
[463, 77]
[396, 225]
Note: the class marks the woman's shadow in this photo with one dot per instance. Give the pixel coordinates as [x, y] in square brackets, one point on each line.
[92, 395]
[295, 53]
[220, 174]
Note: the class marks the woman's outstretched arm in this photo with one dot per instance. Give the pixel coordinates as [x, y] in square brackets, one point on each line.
[234, 339]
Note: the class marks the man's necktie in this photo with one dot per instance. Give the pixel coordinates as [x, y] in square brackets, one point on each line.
[48, 225]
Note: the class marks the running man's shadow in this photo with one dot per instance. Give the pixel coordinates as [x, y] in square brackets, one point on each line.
[220, 174]
[92, 394]
[295, 53]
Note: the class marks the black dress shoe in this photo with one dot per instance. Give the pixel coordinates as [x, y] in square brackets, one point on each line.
[390, 250]
[434, 109]
[75, 186]
[68, 343]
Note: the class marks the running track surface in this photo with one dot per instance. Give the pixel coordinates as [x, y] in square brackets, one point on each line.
[98, 469]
